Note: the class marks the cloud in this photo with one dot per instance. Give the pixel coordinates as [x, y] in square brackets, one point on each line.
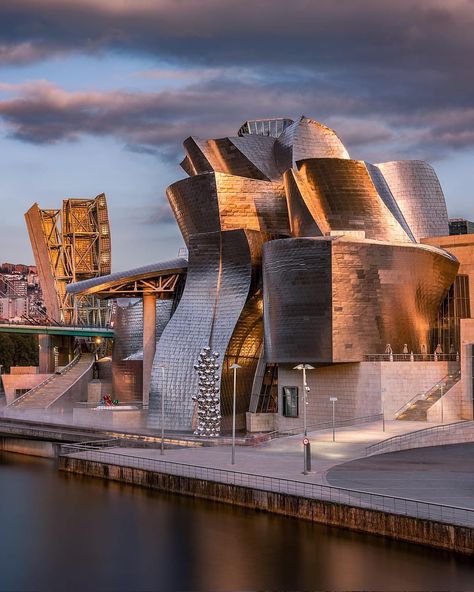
[156, 123]
[390, 77]
[160, 213]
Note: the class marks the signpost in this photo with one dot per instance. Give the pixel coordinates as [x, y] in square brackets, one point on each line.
[333, 401]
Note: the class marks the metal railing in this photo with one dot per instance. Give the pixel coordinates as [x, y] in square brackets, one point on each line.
[452, 378]
[411, 357]
[357, 498]
[46, 381]
[326, 425]
[395, 443]
[136, 404]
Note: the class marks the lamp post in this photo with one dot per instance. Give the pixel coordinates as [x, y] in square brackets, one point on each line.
[333, 401]
[382, 392]
[442, 403]
[162, 367]
[234, 367]
[306, 443]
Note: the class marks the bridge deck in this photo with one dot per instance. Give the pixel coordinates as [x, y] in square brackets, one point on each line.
[57, 330]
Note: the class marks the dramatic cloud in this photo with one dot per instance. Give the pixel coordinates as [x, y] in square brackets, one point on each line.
[395, 75]
[158, 122]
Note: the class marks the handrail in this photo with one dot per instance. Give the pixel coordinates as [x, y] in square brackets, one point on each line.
[328, 424]
[44, 382]
[359, 498]
[422, 396]
[416, 434]
[411, 357]
[92, 360]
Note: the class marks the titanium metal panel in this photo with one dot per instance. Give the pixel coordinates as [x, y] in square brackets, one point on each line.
[217, 287]
[340, 195]
[304, 139]
[93, 285]
[215, 201]
[127, 355]
[244, 349]
[330, 300]
[250, 156]
[297, 300]
[418, 193]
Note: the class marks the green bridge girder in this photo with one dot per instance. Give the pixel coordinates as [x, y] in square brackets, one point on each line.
[57, 330]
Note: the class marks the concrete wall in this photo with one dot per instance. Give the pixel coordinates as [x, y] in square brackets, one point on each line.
[109, 418]
[405, 528]
[456, 433]
[29, 447]
[76, 392]
[467, 340]
[96, 389]
[11, 382]
[358, 389]
[24, 370]
[448, 408]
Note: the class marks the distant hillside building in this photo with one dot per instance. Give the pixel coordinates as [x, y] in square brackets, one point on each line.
[460, 226]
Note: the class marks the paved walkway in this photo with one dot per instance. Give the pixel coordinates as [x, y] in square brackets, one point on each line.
[277, 466]
[441, 474]
[283, 458]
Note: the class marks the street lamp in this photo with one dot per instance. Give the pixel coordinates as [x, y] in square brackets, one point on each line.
[307, 445]
[234, 367]
[162, 366]
[382, 392]
[442, 403]
[333, 401]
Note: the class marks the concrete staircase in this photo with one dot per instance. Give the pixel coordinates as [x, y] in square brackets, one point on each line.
[417, 408]
[54, 387]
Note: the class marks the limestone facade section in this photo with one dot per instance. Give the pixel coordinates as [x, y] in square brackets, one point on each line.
[467, 368]
[358, 388]
[462, 247]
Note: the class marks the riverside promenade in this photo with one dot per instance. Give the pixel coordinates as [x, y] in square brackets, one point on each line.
[269, 477]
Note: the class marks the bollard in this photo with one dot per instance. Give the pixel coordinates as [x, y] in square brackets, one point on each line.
[307, 456]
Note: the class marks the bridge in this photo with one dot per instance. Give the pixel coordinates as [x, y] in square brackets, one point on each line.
[62, 330]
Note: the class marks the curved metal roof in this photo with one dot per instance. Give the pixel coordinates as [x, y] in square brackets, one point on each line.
[146, 272]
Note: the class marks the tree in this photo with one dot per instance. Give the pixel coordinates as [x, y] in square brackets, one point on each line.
[18, 350]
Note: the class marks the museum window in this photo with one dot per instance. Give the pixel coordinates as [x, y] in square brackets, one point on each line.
[268, 399]
[290, 401]
[454, 307]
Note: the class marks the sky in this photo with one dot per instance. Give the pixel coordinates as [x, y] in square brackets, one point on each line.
[98, 96]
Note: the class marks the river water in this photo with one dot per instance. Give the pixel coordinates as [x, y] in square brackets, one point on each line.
[65, 532]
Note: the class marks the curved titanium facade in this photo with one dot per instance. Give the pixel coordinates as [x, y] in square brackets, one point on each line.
[359, 282]
[221, 268]
[127, 356]
[339, 195]
[336, 299]
[304, 139]
[249, 156]
[213, 202]
[418, 193]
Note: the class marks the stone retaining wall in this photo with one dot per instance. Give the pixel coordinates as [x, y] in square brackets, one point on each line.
[403, 528]
[457, 433]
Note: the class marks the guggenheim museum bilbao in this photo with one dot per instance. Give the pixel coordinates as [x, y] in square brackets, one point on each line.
[296, 254]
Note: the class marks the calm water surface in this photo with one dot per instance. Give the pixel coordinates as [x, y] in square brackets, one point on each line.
[65, 532]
